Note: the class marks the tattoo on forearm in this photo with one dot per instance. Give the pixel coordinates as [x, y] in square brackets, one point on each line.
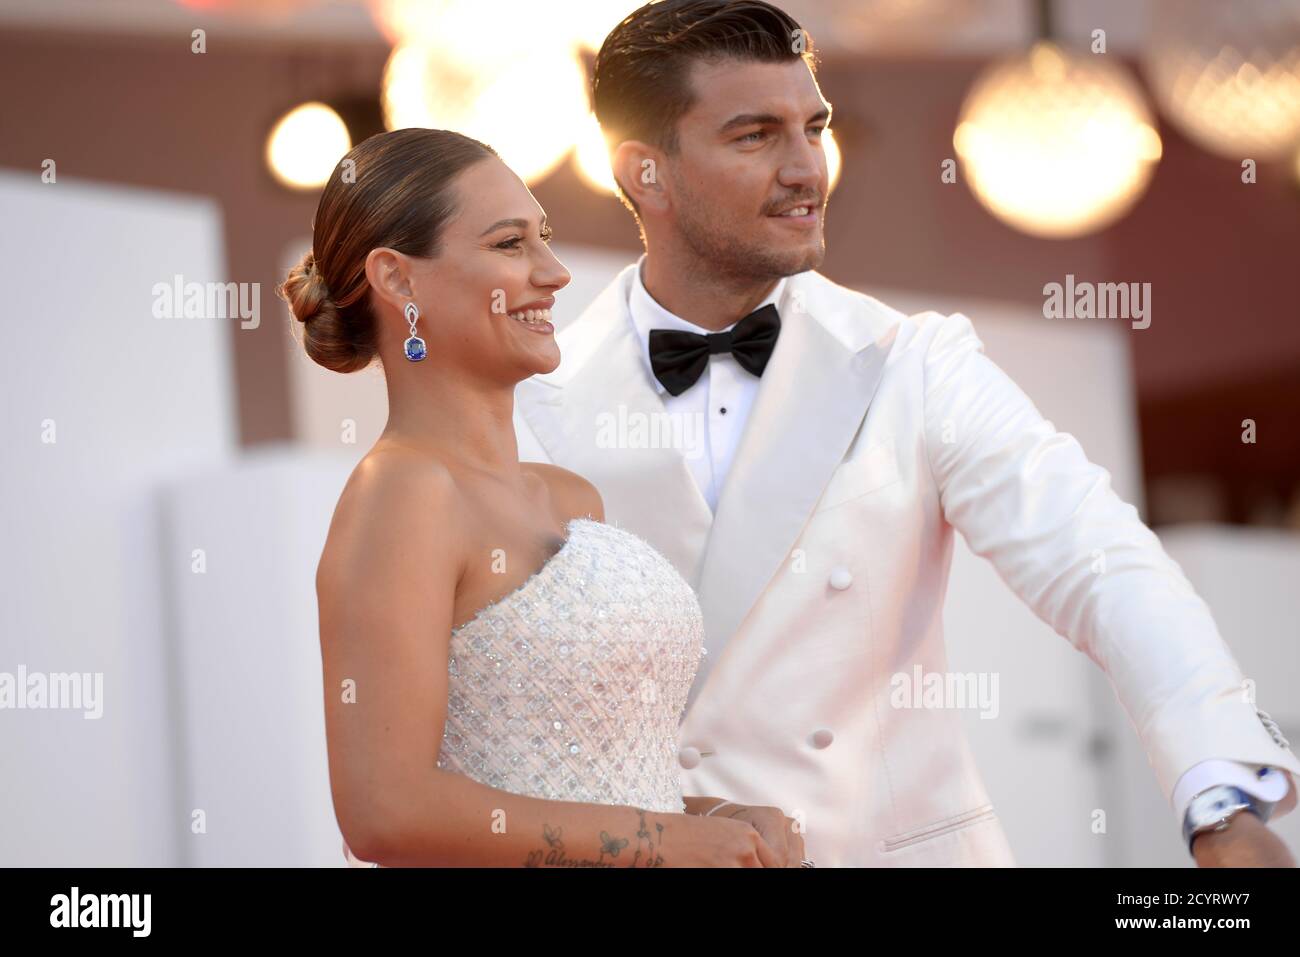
[651, 842]
[552, 836]
[611, 847]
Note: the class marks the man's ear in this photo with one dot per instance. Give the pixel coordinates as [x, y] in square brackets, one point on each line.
[636, 167]
[388, 273]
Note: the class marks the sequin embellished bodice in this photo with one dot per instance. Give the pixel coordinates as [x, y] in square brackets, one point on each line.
[571, 687]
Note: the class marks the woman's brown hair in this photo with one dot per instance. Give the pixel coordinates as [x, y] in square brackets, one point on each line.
[392, 190]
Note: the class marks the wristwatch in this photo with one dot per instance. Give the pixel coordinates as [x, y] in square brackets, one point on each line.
[1213, 808]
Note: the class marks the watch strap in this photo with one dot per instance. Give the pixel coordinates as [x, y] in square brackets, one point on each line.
[1228, 801]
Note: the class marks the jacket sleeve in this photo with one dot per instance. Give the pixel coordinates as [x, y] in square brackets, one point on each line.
[1025, 497]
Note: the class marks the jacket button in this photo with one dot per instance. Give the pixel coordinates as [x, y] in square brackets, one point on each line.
[822, 738]
[840, 578]
[688, 757]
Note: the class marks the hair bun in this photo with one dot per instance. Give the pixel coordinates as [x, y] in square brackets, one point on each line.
[325, 335]
[305, 291]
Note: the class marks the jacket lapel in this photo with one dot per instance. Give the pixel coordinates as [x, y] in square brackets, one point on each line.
[814, 396]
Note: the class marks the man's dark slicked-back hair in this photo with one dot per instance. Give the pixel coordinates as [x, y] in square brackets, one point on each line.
[641, 86]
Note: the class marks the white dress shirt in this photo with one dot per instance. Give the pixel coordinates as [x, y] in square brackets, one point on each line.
[717, 407]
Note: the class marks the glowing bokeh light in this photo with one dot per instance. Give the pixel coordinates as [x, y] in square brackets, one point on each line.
[530, 109]
[833, 158]
[591, 157]
[1228, 75]
[305, 145]
[1055, 144]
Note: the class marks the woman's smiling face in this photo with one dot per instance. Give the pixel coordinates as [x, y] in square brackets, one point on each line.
[494, 271]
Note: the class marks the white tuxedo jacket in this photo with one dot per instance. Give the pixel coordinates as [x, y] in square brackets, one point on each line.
[822, 574]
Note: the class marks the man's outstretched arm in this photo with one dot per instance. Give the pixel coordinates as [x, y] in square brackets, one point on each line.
[1026, 497]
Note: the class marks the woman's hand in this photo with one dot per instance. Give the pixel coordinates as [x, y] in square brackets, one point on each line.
[782, 834]
[694, 840]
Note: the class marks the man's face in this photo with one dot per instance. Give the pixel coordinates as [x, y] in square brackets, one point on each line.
[749, 152]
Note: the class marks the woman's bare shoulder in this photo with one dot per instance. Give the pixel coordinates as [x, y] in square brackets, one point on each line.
[572, 494]
[393, 496]
[391, 478]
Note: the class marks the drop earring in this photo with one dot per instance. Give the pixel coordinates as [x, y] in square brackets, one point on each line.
[415, 350]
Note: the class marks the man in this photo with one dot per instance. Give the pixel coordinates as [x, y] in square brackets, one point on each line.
[807, 472]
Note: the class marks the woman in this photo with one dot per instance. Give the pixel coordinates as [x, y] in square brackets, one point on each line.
[504, 673]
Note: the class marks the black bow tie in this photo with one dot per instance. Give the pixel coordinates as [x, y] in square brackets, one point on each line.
[679, 358]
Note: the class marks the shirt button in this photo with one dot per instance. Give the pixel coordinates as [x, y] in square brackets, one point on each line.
[841, 578]
[723, 410]
[688, 757]
[822, 738]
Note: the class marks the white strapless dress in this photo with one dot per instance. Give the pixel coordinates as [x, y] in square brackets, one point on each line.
[571, 687]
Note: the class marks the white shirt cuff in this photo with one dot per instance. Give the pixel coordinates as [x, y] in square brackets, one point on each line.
[1269, 789]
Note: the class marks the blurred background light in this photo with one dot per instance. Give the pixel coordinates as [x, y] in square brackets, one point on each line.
[483, 30]
[1228, 75]
[305, 145]
[256, 8]
[530, 105]
[1056, 144]
[590, 21]
[861, 25]
[833, 159]
[591, 157]
[447, 23]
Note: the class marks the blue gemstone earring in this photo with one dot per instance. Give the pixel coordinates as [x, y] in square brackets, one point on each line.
[415, 350]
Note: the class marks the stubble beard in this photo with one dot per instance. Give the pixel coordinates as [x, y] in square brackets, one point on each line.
[737, 258]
